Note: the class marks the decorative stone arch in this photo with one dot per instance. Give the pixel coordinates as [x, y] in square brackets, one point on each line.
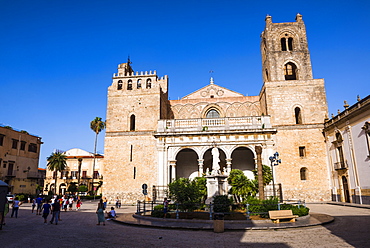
[288, 40]
[186, 163]
[243, 158]
[207, 158]
[291, 70]
[210, 107]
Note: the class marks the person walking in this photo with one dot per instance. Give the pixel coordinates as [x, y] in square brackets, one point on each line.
[100, 212]
[46, 211]
[15, 207]
[65, 203]
[78, 203]
[39, 205]
[55, 208]
[33, 204]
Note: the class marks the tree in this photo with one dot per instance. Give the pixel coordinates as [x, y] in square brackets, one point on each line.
[97, 125]
[266, 174]
[241, 186]
[57, 161]
[189, 194]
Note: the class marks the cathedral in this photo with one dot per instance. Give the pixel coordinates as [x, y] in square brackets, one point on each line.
[151, 140]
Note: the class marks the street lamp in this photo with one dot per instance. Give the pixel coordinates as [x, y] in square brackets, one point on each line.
[274, 161]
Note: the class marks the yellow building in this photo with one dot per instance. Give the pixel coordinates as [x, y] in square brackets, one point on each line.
[19, 159]
[80, 170]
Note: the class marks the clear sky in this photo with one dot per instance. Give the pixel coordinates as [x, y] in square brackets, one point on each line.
[57, 57]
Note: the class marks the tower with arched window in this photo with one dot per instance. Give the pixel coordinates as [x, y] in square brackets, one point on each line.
[297, 105]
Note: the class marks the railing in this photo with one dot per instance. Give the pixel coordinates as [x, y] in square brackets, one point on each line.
[340, 165]
[33, 174]
[144, 207]
[214, 124]
[11, 173]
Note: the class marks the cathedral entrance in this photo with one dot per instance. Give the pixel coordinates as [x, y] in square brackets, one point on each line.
[243, 159]
[187, 164]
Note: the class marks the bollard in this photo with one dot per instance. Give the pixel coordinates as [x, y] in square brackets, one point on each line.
[218, 223]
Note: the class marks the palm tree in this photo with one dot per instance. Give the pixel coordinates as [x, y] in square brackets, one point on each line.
[97, 125]
[57, 161]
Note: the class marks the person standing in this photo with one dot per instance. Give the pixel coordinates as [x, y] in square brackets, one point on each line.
[165, 207]
[105, 200]
[65, 203]
[46, 211]
[70, 203]
[100, 212]
[15, 205]
[55, 208]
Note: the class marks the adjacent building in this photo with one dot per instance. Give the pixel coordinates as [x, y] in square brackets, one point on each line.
[152, 140]
[19, 160]
[83, 168]
[347, 137]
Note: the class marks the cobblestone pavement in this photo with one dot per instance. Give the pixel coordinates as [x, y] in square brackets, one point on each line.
[351, 228]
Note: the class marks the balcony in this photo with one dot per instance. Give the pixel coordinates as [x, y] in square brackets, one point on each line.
[340, 165]
[33, 175]
[228, 124]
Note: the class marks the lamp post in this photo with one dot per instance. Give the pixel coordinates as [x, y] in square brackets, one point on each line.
[274, 161]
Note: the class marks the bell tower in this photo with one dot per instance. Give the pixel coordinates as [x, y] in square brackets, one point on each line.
[296, 104]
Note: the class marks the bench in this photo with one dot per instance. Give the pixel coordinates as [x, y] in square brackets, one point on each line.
[277, 215]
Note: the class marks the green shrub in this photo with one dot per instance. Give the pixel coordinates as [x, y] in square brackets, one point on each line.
[221, 203]
[299, 210]
[157, 213]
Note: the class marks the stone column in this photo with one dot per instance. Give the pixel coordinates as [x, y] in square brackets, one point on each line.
[173, 170]
[228, 165]
[259, 170]
[200, 167]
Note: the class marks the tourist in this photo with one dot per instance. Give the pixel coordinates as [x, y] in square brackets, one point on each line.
[39, 204]
[100, 212]
[65, 203]
[78, 203]
[33, 204]
[70, 203]
[165, 206]
[105, 200]
[55, 207]
[15, 207]
[112, 213]
[46, 210]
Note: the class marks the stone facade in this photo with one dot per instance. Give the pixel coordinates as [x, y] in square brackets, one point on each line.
[19, 159]
[152, 140]
[347, 137]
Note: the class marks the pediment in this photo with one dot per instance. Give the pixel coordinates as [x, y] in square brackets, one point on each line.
[77, 152]
[212, 91]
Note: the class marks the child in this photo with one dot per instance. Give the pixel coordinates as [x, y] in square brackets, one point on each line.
[46, 210]
[112, 213]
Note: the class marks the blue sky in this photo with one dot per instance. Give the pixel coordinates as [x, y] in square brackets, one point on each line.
[57, 57]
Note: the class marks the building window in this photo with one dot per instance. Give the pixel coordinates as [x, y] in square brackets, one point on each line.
[139, 83]
[304, 173]
[23, 145]
[290, 44]
[283, 44]
[132, 123]
[14, 143]
[1, 139]
[84, 174]
[119, 85]
[302, 151]
[148, 83]
[32, 147]
[74, 174]
[129, 85]
[286, 43]
[96, 174]
[298, 115]
[290, 71]
[213, 113]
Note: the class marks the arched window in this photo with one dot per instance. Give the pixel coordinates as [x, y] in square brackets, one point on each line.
[283, 44]
[132, 123]
[139, 83]
[298, 115]
[304, 173]
[290, 71]
[290, 44]
[119, 85]
[148, 83]
[213, 113]
[129, 85]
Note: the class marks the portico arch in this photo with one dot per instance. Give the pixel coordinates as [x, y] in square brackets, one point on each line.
[187, 163]
[243, 159]
[207, 156]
